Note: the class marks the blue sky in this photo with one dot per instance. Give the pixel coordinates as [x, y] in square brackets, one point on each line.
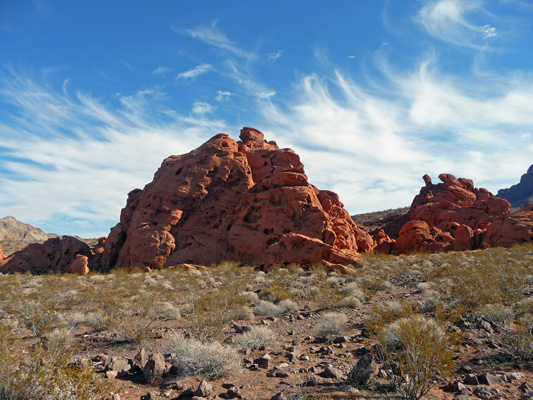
[371, 93]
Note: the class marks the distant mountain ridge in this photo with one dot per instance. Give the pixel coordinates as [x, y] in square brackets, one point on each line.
[15, 234]
[521, 193]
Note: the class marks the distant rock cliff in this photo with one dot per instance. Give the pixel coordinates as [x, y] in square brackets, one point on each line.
[521, 193]
[15, 235]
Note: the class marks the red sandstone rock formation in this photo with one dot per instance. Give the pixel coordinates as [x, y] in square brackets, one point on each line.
[247, 201]
[80, 266]
[453, 215]
[1, 254]
[54, 255]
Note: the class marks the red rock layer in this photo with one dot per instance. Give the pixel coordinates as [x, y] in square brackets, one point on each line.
[54, 255]
[246, 201]
[453, 215]
[2, 256]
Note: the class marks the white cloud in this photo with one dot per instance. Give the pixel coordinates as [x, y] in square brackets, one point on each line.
[200, 107]
[211, 35]
[223, 95]
[373, 146]
[489, 32]
[195, 72]
[275, 55]
[161, 70]
[447, 20]
[75, 158]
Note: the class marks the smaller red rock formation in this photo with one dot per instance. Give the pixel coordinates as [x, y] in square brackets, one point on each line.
[453, 215]
[80, 266]
[54, 255]
[382, 242]
[1, 254]
[419, 236]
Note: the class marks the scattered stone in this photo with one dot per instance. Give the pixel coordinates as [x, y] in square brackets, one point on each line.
[365, 369]
[361, 351]
[461, 397]
[139, 361]
[484, 392]
[331, 372]
[117, 364]
[489, 379]
[111, 375]
[279, 396]
[172, 383]
[471, 379]
[115, 396]
[340, 339]
[233, 393]
[154, 367]
[205, 389]
[278, 373]
[152, 395]
[264, 361]
[515, 376]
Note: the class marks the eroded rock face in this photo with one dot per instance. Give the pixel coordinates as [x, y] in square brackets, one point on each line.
[246, 201]
[54, 255]
[454, 215]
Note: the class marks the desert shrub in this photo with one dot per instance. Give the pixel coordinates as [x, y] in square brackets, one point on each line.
[210, 360]
[250, 297]
[333, 323]
[36, 315]
[350, 302]
[352, 289]
[519, 341]
[430, 301]
[423, 286]
[209, 314]
[334, 281]
[418, 347]
[267, 308]
[498, 315]
[274, 294]
[258, 338]
[386, 313]
[45, 372]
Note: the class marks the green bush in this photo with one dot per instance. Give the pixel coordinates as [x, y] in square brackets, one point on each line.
[418, 346]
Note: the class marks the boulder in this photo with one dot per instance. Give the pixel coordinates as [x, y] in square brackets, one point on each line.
[154, 367]
[247, 201]
[80, 266]
[54, 255]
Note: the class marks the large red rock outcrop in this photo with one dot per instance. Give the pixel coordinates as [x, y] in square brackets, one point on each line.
[54, 255]
[247, 201]
[454, 215]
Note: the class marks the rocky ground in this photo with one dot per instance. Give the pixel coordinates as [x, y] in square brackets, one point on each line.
[233, 332]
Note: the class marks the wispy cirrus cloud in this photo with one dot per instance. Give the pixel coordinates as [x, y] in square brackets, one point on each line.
[374, 148]
[70, 159]
[275, 55]
[448, 20]
[213, 36]
[195, 72]
[161, 70]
